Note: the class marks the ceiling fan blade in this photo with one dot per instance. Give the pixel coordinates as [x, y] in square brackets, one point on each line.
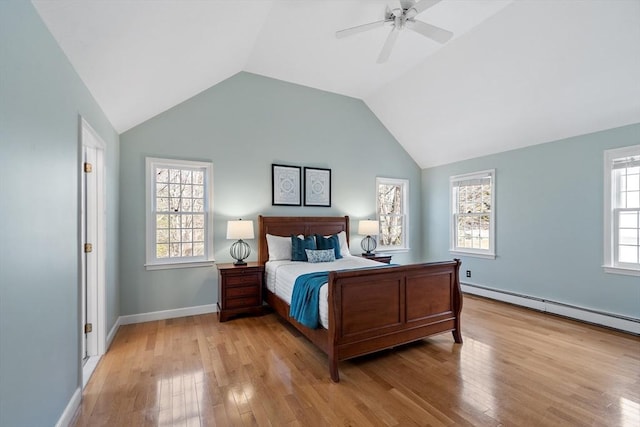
[360, 28]
[423, 5]
[407, 4]
[388, 45]
[431, 31]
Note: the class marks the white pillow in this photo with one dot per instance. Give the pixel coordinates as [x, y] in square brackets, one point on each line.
[279, 247]
[344, 246]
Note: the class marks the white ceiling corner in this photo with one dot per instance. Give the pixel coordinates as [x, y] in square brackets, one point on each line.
[516, 73]
[139, 58]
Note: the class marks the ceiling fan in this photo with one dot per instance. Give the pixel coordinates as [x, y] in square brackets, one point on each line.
[400, 18]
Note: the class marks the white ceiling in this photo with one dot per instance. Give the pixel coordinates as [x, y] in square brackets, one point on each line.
[516, 73]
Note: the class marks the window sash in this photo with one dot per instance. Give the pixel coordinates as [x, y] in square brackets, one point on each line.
[621, 182]
[626, 187]
[391, 241]
[387, 238]
[179, 220]
[629, 246]
[478, 237]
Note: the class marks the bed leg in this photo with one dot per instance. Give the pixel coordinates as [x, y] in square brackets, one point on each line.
[333, 370]
[457, 336]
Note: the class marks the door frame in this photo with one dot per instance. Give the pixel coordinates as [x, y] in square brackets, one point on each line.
[88, 137]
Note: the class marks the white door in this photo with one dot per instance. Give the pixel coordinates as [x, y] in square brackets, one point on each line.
[91, 251]
[93, 248]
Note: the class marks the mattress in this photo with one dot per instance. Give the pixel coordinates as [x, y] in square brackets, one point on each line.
[280, 277]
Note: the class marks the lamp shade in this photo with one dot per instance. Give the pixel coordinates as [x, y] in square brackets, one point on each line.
[368, 227]
[240, 229]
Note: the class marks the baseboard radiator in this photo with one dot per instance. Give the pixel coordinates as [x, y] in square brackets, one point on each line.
[609, 320]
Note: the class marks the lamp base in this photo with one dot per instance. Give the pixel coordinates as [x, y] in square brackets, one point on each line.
[239, 251]
[368, 244]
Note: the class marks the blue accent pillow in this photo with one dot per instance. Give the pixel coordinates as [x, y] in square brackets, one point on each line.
[298, 247]
[324, 255]
[331, 242]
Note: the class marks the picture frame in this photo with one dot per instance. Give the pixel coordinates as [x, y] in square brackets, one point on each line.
[317, 187]
[286, 185]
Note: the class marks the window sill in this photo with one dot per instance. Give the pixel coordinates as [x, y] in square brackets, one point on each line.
[383, 250]
[473, 254]
[621, 270]
[168, 266]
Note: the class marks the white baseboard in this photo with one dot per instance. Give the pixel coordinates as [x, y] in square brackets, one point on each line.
[112, 334]
[167, 314]
[626, 324]
[502, 296]
[88, 368]
[70, 410]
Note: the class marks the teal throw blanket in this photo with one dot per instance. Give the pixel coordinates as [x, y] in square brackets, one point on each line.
[305, 298]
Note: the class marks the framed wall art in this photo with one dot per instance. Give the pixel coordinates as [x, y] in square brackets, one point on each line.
[286, 185]
[317, 187]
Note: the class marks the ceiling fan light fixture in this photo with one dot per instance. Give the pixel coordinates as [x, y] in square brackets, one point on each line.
[411, 13]
[400, 18]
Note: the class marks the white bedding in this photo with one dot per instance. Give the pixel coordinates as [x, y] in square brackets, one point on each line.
[281, 275]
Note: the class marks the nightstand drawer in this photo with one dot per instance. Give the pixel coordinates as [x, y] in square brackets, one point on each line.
[249, 301]
[242, 279]
[241, 291]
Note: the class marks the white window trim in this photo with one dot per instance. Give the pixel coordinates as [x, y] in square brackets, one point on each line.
[610, 266]
[477, 253]
[151, 262]
[405, 208]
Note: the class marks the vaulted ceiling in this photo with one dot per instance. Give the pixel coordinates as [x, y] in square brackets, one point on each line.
[516, 72]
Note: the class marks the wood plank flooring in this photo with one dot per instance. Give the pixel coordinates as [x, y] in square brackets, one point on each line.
[516, 368]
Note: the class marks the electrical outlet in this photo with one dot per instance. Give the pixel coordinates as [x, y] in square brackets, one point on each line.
[468, 273]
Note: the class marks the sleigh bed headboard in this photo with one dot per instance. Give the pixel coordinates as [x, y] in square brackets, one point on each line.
[305, 225]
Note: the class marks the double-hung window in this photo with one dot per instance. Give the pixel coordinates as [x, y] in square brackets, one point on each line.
[179, 213]
[392, 205]
[622, 210]
[472, 214]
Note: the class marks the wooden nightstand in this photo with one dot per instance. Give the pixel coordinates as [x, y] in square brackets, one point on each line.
[378, 257]
[239, 290]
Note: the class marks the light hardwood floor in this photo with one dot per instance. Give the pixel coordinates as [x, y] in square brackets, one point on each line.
[516, 368]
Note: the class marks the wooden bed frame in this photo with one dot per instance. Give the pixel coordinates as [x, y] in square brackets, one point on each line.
[371, 309]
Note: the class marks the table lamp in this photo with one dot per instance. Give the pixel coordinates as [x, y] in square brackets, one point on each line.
[240, 230]
[368, 228]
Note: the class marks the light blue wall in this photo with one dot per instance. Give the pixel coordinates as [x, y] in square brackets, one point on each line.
[243, 125]
[549, 224]
[41, 97]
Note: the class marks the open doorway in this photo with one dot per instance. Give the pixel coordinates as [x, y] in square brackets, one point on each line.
[92, 244]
